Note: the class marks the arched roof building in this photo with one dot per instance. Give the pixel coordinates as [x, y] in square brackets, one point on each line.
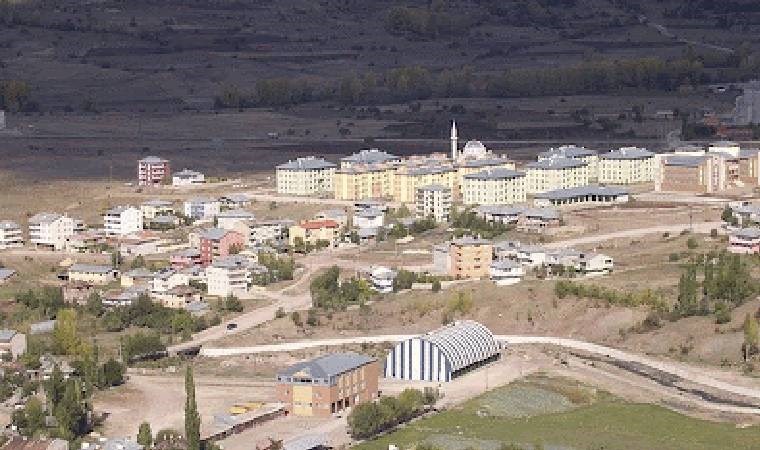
[442, 354]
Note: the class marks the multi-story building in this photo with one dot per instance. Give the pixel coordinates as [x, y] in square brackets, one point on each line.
[314, 232]
[202, 208]
[328, 384]
[11, 235]
[381, 278]
[590, 157]
[50, 230]
[506, 272]
[268, 232]
[410, 178]
[369, 218]
[628, 165]
[494, 187]
[470, 258]
[368, 157]
[230, 275]
[153, 171]
[475, 157]
[555, 173]
[230, 218]
[188, 177]
[433, 201]
[155, 208]
[122, 220]
[364, 181]
[218, 243]
[305, 176]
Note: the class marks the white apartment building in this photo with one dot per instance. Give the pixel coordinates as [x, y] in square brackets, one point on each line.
[556, 173]
[305, 176]
[187, 177]
[123, 220]
[497, 186]
[11, 235]
[628, 165]
[369, 218]
[434, 201]
[201, 208]
[269, 232]
[228, 276]
[50, 230]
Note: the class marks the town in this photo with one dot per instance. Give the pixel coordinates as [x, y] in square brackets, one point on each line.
[191, 271]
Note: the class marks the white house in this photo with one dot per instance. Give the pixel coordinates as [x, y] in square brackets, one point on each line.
[382, 278]
[93, 273]
[228, 276]
[506, 272]
[269, 232]
[595, 264]
[369, 218]
[10, 235]
[155, 208]
[200, 208]
[13, 343]
[122, 220]
[228, 220]
[531, 255]
[50, 230]
[188, 178]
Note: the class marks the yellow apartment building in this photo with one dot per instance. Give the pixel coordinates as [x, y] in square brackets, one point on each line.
[305, 176]
[314, 231]
[497, 186]
[363, 182]
[555, 173]
[470, 258]
[628, 165]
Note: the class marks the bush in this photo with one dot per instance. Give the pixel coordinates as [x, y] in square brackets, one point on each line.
[692, 243]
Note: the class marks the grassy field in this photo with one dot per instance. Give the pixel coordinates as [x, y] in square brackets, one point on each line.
[594, 420]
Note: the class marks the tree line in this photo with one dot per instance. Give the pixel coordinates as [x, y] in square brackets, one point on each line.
[329, 292]
[369, 419]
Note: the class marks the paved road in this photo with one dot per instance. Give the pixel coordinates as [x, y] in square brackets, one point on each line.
[699, 227]
[689, 373]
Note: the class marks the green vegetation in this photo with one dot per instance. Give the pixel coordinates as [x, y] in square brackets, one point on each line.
[142, 346]
[192, 417]
[405, 279]
[468, 222]
[328, 292]
[145, 435]
[419, 226]
[582, 420]
[369, 419]
[419, 23]
[278, 269]
[646, 297]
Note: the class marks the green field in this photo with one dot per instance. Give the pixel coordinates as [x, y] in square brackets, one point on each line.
[562, 415]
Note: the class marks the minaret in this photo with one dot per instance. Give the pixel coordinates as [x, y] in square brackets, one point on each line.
[453, 140]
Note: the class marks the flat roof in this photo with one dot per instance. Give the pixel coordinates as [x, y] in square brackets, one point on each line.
[91, 268]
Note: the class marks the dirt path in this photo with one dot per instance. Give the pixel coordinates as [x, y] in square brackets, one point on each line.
[701, 227]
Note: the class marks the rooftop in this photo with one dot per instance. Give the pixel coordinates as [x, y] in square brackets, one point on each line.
[317, 224]
[591, 189]
[567, 151]
[555, 163]
[498, 173]
[7, 335]
[683, 160]
[157, 203]
[153, 160]
[434, 187]
[309, 163]
[8, 225]
[328, 366]
[91, 268]
[628, 153]
[470, 240]
[236, 214]
[44, 217]
[748, 233]
[370, 156]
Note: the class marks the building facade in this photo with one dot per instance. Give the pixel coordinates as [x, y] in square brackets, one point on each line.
[470, 258]
[187, 178]
[305, 176]
[228, 276]
[494, 187]
[11, 235]
[202, 208]
[122, 220]
[628, 165]
[153, 171]
[328, 384]
[555, 173]
[314, 232]
[218, 243]
[50, 230]
[433, 201]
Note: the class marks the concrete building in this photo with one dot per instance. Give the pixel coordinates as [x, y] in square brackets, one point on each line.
[230, 218]
[202, 208]
[314, 232]
[592, 194]
[433, 201]
[443, 354]
[50, 230]
[230, 275]
[122, 220]
[269, 233]
[93, 274]
[591, 264]
[364, 181]
[745, 241]
[187, 177]
[12, 343]
[369, 218]
[235, 201]
[218, 243]
[686, 173]
[410, 177]
[555, 173]
[494, 187]
[337, 214]
[506, 272]
[381, 278]
[11, 235]
[155, 208]
[470, 258]
[590, 157]
[328, 384]
[305, 176]
[627, 165]
[153, 171]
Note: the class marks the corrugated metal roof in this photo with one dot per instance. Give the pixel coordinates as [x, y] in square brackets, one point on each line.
[328, 366]
[310, 163]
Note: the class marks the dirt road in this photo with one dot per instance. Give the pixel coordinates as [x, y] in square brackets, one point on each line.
[700, 227]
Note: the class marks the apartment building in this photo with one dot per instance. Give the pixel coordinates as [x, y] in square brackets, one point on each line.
[230, 218]
[470, 258]
[11, 235]
[555, 173]
[188, 177]
[218, 243]
[268, 232]
[153, 171]
[155, 208]
[506, 272]
[122, 220]
[202, 208]
[314, 232]
[433, 201]
[590, 157]
[229, 275]
[305, 176]
[364, 181]
[745, 241]
[51, 230]
[408, 179]
[328, 384]
[627, 165]
[494, 187]
[369, 218]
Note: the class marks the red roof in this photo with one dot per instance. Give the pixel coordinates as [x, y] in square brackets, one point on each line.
[317, 224]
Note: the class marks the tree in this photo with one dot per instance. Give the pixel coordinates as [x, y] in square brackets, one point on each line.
[192, 418]
[144, 435]
[138, 262]
[113, 373]
[35, 416]
[65, 338]
[750, 336]
[728, 216]
[687, 292]
[94, 304]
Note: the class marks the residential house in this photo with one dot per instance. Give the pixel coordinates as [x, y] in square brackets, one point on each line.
[230, 275]
[381, 278]
[88, 241]
[217, 242]
[369, 218]
[187, 177]
[328, 384]
[433, 201]
[179, 297]
[269, 232]
[745, 241]
[305, 176]
[442, 258]
[11, 235]
[506, 272]
[142, 244]
[592, 264]
[338, 215]
[538, 219]
[126, 297]
[202, 208]
[134, 277]
[185, 258]
[93, 274]
[78, 292]
[531, 255]
[470, 258]
[123, 220]
[153, 171]
[50, 230]
[12, 343]
[235, 201]
[314, 232]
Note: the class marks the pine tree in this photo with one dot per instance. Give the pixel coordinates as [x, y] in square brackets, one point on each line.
[145, 435]
[192, 418]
